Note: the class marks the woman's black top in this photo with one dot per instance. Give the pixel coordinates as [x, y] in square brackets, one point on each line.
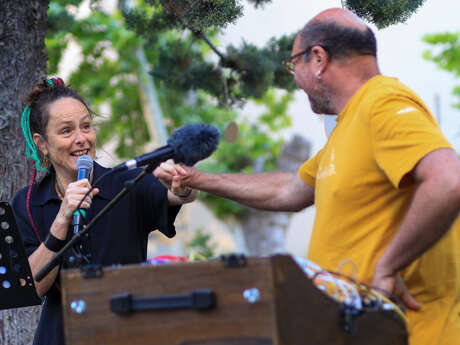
[120, 237]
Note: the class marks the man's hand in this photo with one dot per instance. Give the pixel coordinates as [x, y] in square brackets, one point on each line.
[389, 283]
[170, 175]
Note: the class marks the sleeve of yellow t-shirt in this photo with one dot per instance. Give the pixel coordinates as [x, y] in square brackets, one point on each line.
[307, 171]
[403, 132]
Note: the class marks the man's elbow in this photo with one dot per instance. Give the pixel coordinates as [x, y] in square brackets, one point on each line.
[451, 189]
[300, 207]
[295, 204]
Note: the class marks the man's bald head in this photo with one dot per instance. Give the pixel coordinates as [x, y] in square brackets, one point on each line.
[340, 32]
[340, 16]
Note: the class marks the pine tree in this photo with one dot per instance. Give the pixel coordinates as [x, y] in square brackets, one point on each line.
[384, 13]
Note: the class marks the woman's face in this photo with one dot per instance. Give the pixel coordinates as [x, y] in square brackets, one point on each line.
[70, 134]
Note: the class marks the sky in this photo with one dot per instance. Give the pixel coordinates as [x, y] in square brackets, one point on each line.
[400, 50]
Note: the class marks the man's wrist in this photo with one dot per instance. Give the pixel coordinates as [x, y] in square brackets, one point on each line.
[384, 269]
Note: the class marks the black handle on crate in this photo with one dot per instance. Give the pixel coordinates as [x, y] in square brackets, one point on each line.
[199, 299]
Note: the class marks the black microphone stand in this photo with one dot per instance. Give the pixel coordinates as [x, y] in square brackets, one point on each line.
[78, 236]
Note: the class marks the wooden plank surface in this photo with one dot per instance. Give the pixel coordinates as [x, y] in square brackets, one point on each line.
[291, 310]
[231, 321]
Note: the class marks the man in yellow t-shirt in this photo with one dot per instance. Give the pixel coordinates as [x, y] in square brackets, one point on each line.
[386, 185]
[362, 197]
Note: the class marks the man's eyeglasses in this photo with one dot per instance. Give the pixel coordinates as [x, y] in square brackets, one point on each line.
[289, 65]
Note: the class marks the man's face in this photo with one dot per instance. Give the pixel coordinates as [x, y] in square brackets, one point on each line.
[305, 76]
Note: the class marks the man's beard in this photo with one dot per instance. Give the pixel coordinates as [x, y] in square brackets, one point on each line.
[321, 102]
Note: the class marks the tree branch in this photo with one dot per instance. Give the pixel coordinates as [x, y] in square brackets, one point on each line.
[202, 35]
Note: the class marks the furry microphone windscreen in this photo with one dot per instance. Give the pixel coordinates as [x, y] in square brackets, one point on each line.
[193, 143]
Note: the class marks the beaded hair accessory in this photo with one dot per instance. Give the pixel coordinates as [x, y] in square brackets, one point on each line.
[31, 149]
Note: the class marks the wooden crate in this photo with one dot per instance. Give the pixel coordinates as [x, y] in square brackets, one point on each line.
[290, 311]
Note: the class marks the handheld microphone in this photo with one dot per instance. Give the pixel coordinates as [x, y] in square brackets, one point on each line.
[188, 145]
[84, 168]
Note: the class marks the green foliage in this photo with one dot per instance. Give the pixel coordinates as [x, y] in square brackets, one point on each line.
[59, 18]
[60, 22]
[67, 3]
[245, 72]
[447, 46]
[261, 69]
[278, 50]
[384, 13]
[239, 74]
[106, 75]
[257, 69]
[54, 48]
[446, 54]
[196, 15]
[275, 117]
[182, 66]
[201, 246]
[200, 15]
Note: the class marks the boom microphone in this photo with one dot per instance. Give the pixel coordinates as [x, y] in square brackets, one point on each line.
[187, 145]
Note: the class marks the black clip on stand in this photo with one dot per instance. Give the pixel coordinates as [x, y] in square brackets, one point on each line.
[77, 237]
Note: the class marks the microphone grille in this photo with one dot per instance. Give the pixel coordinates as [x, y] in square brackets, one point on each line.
[84, 162]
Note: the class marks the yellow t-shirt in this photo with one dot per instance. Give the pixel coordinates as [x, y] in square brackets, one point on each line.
[361, 197]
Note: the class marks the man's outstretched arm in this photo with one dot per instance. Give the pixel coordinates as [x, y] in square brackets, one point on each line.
[275, 191]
